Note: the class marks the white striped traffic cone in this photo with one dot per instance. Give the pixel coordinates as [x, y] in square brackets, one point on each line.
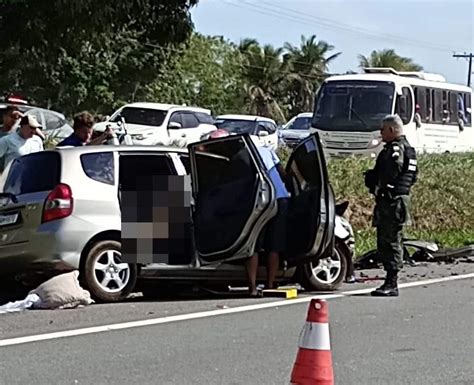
[313, 364]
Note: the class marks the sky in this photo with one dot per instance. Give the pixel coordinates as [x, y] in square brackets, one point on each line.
[429, 32]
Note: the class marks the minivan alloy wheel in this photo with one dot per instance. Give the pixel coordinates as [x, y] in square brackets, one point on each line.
[326, 274]
[110, 273]
[328, 269]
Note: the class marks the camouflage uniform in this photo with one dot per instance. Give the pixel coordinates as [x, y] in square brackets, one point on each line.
[390, 181]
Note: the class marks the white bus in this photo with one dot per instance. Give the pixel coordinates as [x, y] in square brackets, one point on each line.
[349, 110]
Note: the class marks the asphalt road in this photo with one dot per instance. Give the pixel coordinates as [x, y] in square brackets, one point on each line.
[426, 336]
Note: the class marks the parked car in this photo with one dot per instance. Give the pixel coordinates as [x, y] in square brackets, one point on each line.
[296, 129]
[54, 123]
[155, 123]
[67, 214]
[262, 130]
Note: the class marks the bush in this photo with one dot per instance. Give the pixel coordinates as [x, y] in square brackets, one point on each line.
[442, 199]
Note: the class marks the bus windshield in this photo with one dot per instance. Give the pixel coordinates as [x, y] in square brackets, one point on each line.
[353, 105]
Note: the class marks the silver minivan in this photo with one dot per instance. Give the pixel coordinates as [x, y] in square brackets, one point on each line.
[64, 209]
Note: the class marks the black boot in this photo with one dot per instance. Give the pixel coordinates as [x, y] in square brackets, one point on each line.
[389, 288]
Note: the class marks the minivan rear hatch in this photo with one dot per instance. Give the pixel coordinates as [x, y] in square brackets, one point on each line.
[29, 181]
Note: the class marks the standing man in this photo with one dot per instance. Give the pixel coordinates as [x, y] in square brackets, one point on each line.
[23, 142]
[83, 123]
[273, 240]
[390, 181]
[275, 232]
[11, 115]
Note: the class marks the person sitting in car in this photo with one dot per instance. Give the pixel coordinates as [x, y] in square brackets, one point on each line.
[82, 135]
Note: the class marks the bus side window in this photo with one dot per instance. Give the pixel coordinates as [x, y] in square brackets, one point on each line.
[437, 106]
[446, 116]
[405, 110]
[467, 108]
[423, 101]
[453, 107]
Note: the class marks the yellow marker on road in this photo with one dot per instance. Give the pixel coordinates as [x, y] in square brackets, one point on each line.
[281, 293]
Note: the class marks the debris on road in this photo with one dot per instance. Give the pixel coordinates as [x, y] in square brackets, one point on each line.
[424, 253]
[451, 255]
[366, 279]
[60, 292]
[24, 304]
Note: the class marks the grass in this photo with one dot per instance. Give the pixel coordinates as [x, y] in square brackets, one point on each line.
[442, 199]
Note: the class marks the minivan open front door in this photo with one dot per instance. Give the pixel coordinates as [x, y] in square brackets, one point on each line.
[233, 198]
[311, 215]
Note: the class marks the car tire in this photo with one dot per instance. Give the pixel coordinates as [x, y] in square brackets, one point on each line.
[105, 276]
[313, 275]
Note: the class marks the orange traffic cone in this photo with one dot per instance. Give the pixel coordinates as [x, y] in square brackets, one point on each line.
[314, 360]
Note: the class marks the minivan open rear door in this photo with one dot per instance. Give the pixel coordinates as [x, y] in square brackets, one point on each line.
[233, 197]
[311, 216]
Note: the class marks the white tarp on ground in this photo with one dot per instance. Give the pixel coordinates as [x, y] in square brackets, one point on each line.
[29, 302]
[60, 292]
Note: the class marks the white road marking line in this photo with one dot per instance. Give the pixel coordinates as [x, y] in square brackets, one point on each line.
[211, 313]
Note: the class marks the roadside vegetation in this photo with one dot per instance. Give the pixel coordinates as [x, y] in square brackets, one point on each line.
[117, 56]
[77, 61]
[442, 199]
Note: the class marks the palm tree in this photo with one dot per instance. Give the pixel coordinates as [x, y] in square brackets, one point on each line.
[247, 45]
[388, 58]
[264, 72]
[308, 65]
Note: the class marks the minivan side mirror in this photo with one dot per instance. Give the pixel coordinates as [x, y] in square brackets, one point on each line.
[263, 133]
[174, 125]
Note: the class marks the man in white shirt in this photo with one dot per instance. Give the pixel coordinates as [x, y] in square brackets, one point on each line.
[23, 142]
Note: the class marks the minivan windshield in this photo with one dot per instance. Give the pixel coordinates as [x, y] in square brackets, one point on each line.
[141, 116]
[353, 105]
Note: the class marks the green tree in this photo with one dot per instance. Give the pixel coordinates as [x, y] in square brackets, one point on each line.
[308, 65]
[388, 58]
[206, 71]
[248, 44]
[90, 54]
[263, 74]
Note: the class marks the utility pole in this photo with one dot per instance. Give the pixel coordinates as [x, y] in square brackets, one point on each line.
[470, 56]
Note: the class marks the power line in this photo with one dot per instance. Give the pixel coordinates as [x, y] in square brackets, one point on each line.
[362, 31]
[316, 76]
[469, 72]
[302, 18]
[351, 28]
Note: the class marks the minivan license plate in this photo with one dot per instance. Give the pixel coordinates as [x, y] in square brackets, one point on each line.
[8, 219]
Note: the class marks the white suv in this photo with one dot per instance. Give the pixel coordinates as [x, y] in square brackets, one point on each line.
[155, 123]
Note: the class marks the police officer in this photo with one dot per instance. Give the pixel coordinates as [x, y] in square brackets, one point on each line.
[390, 181]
